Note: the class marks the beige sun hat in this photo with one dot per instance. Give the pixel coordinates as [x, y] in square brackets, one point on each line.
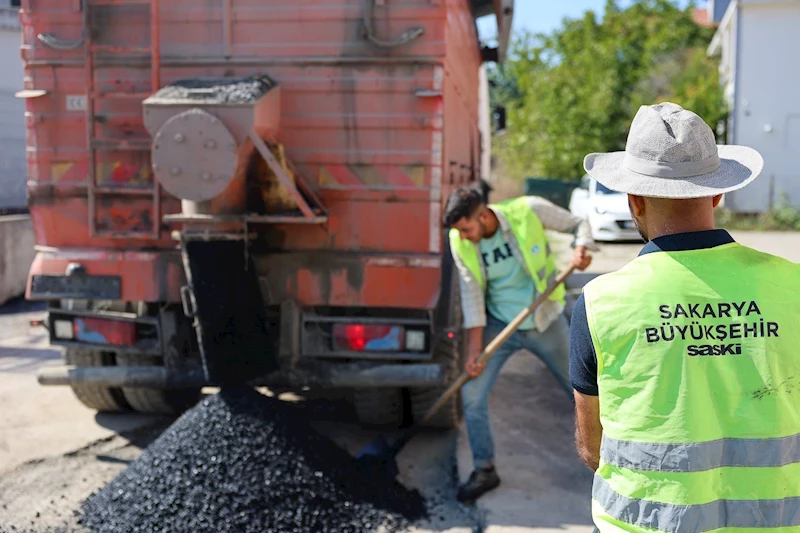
[672, 153]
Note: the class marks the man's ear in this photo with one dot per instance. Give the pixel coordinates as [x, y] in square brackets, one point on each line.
[717, 200]
[636, 204]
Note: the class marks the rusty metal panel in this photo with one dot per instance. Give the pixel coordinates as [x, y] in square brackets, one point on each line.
[145, 276]
[60, 219]
[381, 134]
[364, 280]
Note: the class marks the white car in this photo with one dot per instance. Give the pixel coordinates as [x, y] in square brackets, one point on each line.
[606, 210]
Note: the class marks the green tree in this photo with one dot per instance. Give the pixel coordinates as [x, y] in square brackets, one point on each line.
[576, 90]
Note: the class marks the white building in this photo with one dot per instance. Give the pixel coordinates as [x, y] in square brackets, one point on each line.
[13, 168]
[758, 42]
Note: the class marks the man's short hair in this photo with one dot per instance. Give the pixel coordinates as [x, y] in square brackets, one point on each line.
[463, 203]
[485, 189]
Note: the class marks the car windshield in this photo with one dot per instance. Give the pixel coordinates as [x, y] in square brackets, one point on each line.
[602, 189]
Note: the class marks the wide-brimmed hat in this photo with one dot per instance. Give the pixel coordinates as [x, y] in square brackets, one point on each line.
[672, 153]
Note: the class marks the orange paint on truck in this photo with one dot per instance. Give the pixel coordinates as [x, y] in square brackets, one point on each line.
[374, 131]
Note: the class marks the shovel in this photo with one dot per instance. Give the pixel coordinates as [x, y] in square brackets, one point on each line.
[379, 449]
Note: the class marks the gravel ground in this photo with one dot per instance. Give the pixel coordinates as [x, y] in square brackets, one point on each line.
[44, 495]
[241, 461]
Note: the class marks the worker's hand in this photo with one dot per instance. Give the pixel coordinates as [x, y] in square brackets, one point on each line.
[581, 258]
[472, 367]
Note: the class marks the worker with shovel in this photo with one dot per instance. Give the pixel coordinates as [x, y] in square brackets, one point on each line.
[504, 261]
[684, 362]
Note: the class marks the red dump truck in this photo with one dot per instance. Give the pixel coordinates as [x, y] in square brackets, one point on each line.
[251, 190]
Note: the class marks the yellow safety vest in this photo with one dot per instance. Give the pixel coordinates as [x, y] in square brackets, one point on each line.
[699, 391]
[532, 241]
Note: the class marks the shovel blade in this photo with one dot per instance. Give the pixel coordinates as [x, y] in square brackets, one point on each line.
[378, 456]
[379, 446]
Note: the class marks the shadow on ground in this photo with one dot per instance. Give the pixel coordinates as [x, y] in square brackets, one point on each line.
[21, 305]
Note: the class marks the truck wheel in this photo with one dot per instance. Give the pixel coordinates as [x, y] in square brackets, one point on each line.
[103, 399]
[155, 401]
[379, 407]
[448, 354]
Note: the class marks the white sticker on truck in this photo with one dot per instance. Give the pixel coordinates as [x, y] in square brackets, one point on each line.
[76, 102]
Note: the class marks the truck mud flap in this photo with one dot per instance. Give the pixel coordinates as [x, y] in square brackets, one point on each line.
[229, 312]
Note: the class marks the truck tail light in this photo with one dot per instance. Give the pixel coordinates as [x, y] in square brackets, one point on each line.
[360, 337]
[101, 331]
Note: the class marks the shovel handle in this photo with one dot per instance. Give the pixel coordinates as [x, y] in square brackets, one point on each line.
[495, 343]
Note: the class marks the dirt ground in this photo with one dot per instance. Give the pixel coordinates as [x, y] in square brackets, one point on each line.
[54, 452]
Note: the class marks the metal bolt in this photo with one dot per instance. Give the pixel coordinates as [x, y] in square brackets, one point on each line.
[206, 176]
[211, 144]
[175, 171]
[179, 137]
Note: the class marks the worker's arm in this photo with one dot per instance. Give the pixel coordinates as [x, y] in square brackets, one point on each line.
[583, 376]
[588, 430]
[473, 309]
[556, 218]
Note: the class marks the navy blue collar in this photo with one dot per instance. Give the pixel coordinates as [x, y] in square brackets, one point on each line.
[694, 240]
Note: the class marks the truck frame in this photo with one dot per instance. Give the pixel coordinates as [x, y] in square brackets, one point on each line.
[252, 190]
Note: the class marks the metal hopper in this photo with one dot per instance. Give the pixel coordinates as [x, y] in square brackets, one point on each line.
[205, 132]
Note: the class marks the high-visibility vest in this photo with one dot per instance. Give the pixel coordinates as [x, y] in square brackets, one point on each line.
[532, 243]
[698, 362]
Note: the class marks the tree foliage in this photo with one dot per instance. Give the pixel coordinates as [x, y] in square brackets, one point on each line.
[576, 90]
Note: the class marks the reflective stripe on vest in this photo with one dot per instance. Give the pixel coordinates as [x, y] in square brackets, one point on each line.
[531, 241]
[699, 391]
[701, 456]
[696, 518]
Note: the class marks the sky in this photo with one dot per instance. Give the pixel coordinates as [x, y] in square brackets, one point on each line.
[546, 15]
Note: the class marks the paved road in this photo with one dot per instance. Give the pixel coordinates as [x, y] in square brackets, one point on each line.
[54, 452]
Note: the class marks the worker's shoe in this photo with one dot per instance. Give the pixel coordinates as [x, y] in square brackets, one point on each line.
[479, 483]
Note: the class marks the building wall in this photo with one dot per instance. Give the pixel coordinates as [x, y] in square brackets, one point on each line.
[766, 108]
[13, 167]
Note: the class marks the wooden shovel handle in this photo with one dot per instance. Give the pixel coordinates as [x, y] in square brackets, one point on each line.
[498, 341]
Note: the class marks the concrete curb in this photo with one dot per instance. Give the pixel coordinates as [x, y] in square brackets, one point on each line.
[16, 255]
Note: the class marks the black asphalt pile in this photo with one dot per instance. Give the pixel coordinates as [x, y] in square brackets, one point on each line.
[240, 461]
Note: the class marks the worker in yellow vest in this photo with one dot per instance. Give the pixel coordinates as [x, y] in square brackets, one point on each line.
[684, 362]
[504, 261]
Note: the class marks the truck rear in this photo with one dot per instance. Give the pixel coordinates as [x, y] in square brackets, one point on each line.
[243, 190]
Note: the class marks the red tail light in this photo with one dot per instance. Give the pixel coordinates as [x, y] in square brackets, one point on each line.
[100, 331]
[360, 337]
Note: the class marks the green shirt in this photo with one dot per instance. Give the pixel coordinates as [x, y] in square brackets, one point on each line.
[509, 289]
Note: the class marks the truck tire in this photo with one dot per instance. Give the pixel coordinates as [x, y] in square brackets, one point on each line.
[379, 407]
[103, 399]
[448, 354]
[155, 401]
